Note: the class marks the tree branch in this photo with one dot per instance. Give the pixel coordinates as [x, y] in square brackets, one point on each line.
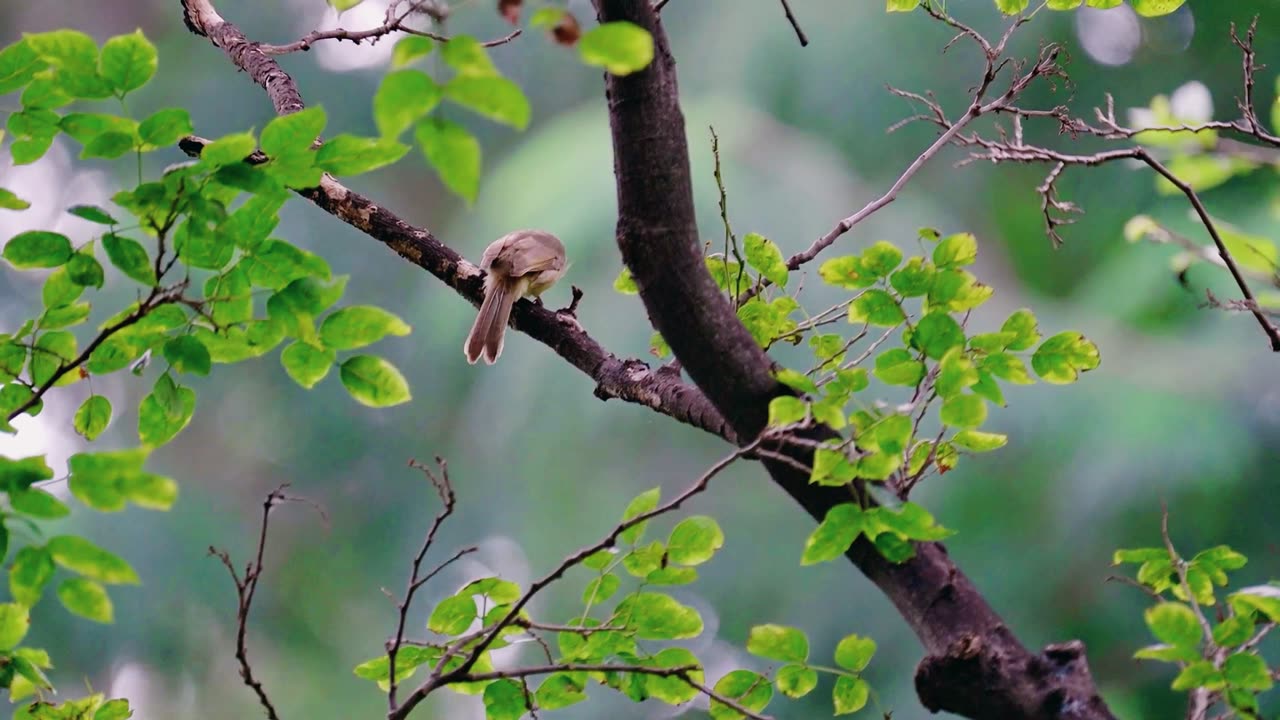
[658, 237]
[627, 379]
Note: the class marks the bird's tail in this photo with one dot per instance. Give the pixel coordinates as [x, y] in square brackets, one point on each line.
[488, 333]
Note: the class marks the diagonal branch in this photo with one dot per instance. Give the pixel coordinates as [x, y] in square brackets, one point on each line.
[626, 379]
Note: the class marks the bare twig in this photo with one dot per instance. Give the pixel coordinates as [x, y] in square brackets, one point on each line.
[247, 585]
[795, 24]
[394, 23]
[448, 500]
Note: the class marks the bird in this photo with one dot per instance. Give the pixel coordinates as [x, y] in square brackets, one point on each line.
[518, 264]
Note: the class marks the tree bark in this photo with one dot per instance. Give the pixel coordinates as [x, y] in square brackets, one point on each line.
[975, 666]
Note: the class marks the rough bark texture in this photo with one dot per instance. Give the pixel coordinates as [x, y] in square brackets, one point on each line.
[976, 667]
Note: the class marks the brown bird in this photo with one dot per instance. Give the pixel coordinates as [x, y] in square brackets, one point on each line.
[524, 262]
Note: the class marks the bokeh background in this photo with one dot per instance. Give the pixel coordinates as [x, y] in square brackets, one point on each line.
[1184, 409]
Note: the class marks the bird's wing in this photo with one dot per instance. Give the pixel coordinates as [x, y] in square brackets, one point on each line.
[539, 251]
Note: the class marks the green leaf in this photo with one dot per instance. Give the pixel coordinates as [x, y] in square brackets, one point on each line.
[876, 307]
[93, 416]
[276, 263]
[402, 99]
[1155, 8]
[850, 694]
[656, 616]
[957, 290]
[1166, 653]
[1007, 367]
[188, 355]
[466, 55]
[778, 642]
[165, 127]
[164, 412]
[1250, 251]
[750, 690]
[901, 5]
[694, 540]
[956, 250]
[1247, 671]
[964, 411]
[229, 297]
[674, 690]
[84, 270]
[453, 615]
[847, 272]
[976, 441]
[108, 145]
[153, 492]
[360, 325]
[796, 381]
[559, 690]
[600, 589]
[293, 134]
[1199, 674]
[9, 201]
[19, 63]
[625, 284]
[619, 47]
[64, 48]
[59, 289]
[54, 352]
[1173, 623]
[854, 652]
[494, 97]
[763, 255]
[889, 434]
[37, 249]
[1025, 329]
[350, 155]
[87, 599]
[786, 410]
[38, 503]
[410, 48]
[15, 620]
[32, 570]
[936, 333]
[881, 258]
[117, 709]
[228, 150]
[374, 382]
[130, 258]
[64, 316]
[92, 213]
[454, 153]
[833, 536]
[128, 61]
[899, 367]
[82, 556]
[1062, 358]
[21, 474]
[796, 681]
[503, 699]
[1233, 631]
[641, 504]
[307, 364]
[84, 127]
[645, 560]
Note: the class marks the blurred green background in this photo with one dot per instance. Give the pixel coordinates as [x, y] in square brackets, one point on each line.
[1183, 410]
